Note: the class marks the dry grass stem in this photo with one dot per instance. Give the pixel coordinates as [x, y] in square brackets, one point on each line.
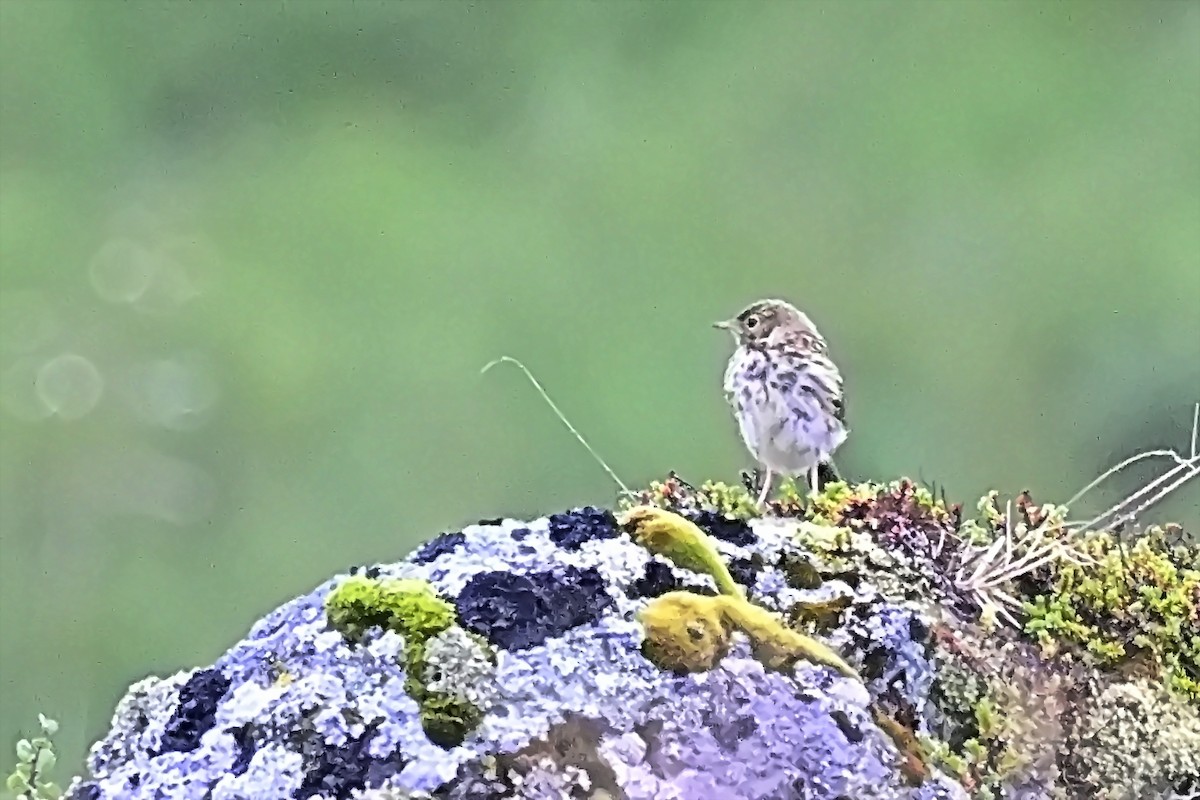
[558, 413]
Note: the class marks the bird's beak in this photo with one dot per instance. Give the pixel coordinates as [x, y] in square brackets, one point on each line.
[723, 324]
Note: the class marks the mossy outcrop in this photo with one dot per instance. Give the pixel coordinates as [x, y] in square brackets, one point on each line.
[871, 641]
[1044, 640]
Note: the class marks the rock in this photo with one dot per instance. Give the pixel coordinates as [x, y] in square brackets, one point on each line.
[511, 660]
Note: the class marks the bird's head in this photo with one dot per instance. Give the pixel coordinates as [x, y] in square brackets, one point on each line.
[767, 320]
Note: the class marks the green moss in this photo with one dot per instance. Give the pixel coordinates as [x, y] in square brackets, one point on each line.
[675, 494]
[36, 758]
[940, 754]
[412, 609]
[447, 719]
[1126, 603]
[732, 501]
[685, 632]
[971, 763]
[408, 607]
[825, 508]
[986, 718]
[800, 572]
[821, 614]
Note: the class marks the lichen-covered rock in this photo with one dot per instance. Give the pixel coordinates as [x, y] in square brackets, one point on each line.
[687, 653]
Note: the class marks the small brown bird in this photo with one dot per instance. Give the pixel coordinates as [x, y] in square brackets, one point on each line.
[785, 392]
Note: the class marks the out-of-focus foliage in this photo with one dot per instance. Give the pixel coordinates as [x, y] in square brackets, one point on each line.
[252, 257]
[30, 778]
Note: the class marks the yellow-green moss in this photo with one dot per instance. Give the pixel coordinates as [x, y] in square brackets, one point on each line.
[1132, 602]
[685, 632]
[688, 632]
[408, 607]
[825, 508]
[412, 609]
[678, 539]
[448, 719]
[715, 496]
[777, 645]
[832, 504]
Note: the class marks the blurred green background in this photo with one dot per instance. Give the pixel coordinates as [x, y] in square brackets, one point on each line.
[255, 254]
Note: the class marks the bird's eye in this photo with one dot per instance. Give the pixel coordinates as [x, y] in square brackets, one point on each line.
[751, 323]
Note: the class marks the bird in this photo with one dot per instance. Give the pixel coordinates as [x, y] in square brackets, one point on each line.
[785, 391]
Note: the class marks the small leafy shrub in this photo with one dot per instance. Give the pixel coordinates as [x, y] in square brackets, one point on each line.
[30, 779]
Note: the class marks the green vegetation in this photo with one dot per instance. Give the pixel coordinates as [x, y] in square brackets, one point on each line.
[408, 607]
[30, 779]
[1133, 602]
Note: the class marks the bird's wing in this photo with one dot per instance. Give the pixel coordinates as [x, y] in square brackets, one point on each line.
[837, 399]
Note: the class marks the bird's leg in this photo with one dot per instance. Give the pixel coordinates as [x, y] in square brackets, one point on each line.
[814, 478]
[766, 489]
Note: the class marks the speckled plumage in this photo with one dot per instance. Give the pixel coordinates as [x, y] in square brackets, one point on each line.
[785, 391]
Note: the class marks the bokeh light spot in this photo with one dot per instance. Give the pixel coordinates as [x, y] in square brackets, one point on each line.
[122, 270]
[174, 394]
[69, 385]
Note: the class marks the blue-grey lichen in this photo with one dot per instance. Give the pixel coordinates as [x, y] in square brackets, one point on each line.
[543, 629]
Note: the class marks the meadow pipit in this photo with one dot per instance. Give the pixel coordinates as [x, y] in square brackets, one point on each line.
[785, 392]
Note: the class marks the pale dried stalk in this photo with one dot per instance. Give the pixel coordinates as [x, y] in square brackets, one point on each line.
[1009, 557]
[1003, 561]
[1185, 469]
[561, 416]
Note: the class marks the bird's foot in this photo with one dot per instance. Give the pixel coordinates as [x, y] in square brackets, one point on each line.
[766, 489]
[821, 475]
[757, 483]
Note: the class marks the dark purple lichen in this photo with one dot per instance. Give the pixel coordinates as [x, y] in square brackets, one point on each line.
[196, 712]
[439, 545]
[745, 570]
[516, 611]
[244, 738]
[852, 732]
[86, 791]
[337, 771]
[573, 528]
[727, 529]
[658, 579]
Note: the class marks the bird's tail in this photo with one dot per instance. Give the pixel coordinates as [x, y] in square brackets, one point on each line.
[827, 473]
